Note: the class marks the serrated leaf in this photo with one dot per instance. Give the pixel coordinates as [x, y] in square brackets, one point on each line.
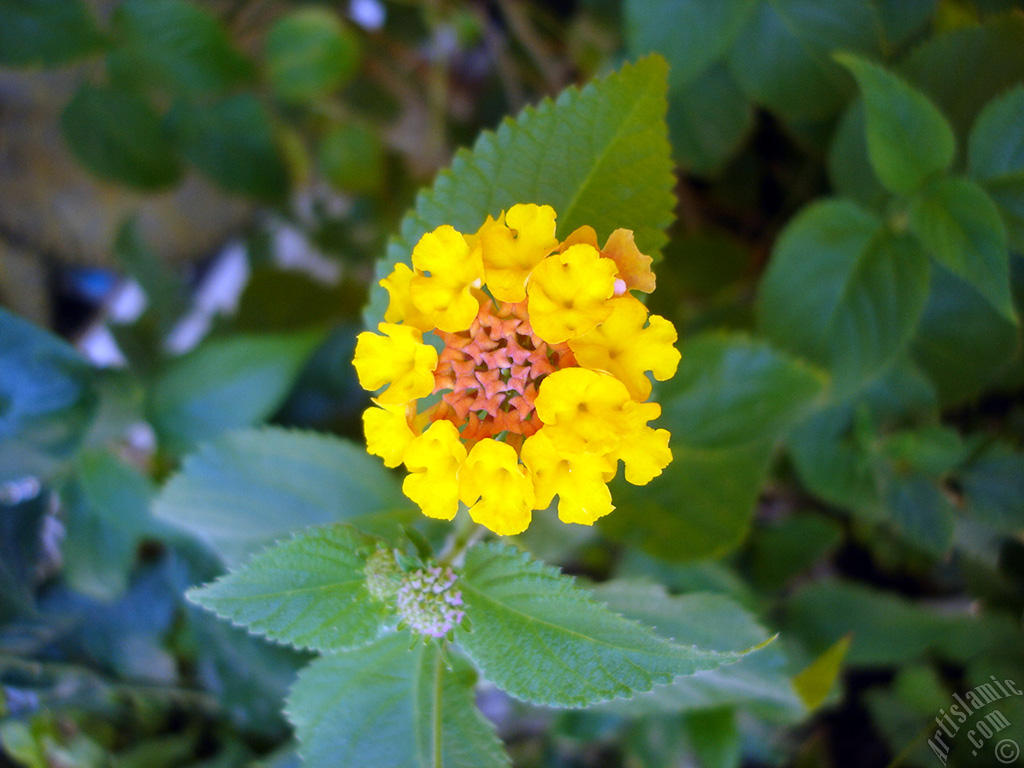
[908, 138]
[842, 291]
[387, 705]
[46, 32]
[758, 683]
[174, 45]
[249, 488]
[117, 135]
[598, 155]
[544, 640]
[958, 224]
[47, 400]
[730, 401]
[225, 384]
[781, 57]
[996, 158]
[308, 591]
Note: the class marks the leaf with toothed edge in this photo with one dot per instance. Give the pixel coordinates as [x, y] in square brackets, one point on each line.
[391, 705]
[542, 639]
[308, 592]
[599, 155]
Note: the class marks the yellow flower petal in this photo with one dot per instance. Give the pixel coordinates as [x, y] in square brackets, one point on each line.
[446, 294]
[513, 247]
[497, 488]
[399, 359]
[579, 479]
[634, 268]
[387, 432]
[623, 347]
[433, 460]
[644, 452]
[584, 410]
[401, 308]
[569, 293]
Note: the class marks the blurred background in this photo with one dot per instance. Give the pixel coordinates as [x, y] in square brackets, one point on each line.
[193, 194]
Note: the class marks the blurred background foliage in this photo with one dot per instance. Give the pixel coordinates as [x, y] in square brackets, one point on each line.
[194, 194]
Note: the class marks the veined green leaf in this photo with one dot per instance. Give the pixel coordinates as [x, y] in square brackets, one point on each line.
[387, 705]
[908, 138]
[309, 591]
[843, 291]
[250, 488]
[544, 640]
[958, 224]
[598, 155]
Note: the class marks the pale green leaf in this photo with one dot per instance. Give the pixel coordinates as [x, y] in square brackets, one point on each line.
[598, 155]
[250, 488]
[308, 591]
[957, 223]
[391, 704]
[843, 292]
[908, 138]
[225, 384]
[542, 639]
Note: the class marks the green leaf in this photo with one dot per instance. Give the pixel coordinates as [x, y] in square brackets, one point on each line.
[308, 591]
[729, 402]
[958, 224]
[352, 158]
[568, 651]
[715, 738]
[787, 549]
[107, 517]
[782, 56]
[174, 45]
[653, 26]
[993, 484]
[947, 347]
[757, 682]
[903, 19]
[166, 297]
[387, 705]
[233, 142]
[46, 32]
[849, 169]
[908, 139]
[309, 54]
[996, 159]
[964, 69]
[709, 119]
[815, 681]
[252, 487]
[842, 291]
[117, 135]
[225, 384]
[47, 400]
[598, 156]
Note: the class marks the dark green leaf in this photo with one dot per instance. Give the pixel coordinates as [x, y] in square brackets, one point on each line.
[903, 19]
[996, 159]
[782, 57]
[308, 591]
[958, 224]
[47, 400]
[947, 347]
[908, 139]
[843, 292]
[250, 488]
[225, 384]
[964, 69]
[174, 45]
[352, 158]
[46, 32]
[117, 135]
[387, 705]
[309, 54]
[568, 651]
[165, 292]
[233, 142]
[993, 484]
[598, 155]
[783, 551]
[715, 738]
[849, 168]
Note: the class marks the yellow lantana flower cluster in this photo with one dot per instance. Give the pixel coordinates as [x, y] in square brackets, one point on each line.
[536, 382]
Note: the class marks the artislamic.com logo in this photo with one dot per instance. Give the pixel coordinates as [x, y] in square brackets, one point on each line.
[981, 731]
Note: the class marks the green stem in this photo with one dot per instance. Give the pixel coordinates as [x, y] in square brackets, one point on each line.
[466, 535]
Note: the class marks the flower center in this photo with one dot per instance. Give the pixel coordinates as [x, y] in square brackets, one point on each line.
[490, 373]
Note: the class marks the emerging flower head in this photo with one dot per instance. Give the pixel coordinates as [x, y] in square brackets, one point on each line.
[540, 384]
